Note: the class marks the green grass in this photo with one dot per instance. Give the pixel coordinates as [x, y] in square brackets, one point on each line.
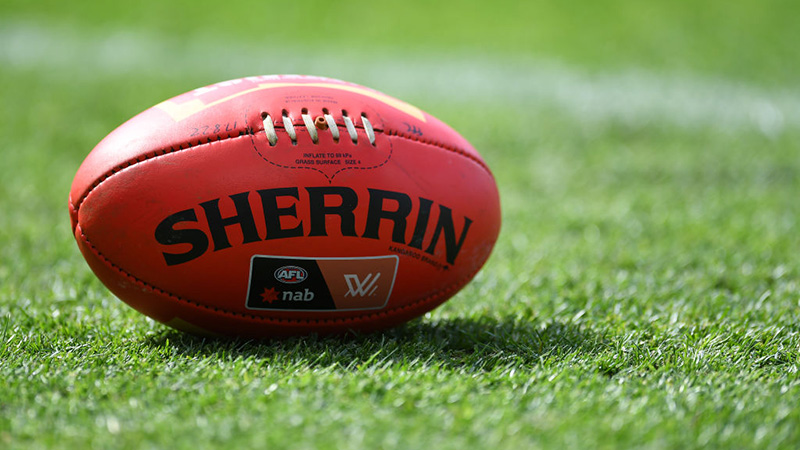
[644, 293]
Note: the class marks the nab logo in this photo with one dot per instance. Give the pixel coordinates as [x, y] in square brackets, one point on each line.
[361, 288]
[291, 274]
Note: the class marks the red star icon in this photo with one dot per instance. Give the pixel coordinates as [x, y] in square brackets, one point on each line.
[269, 295]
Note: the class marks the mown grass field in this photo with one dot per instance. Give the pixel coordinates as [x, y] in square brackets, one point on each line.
[644, 293]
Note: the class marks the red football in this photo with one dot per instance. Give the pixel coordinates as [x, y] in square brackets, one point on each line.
[284, 205]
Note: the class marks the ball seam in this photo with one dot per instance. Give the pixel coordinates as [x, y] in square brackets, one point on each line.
[243, 133]
[386, 313]
[456, 150]
[152, 155]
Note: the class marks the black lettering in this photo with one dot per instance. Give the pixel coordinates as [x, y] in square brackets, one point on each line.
[376, 213]
[166, 234]
[321, 204]
[422, 223]
[273, 214]
[445, 223]
[243, 218]
[318, 211]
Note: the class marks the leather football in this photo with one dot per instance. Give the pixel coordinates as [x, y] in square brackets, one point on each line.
[284, 205]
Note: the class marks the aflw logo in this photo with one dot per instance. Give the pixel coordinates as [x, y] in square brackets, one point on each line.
[361, 288]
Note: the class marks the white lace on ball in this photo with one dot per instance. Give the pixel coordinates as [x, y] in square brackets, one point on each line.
[272, 135]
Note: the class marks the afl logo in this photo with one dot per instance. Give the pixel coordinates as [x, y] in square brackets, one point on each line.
[291, 274]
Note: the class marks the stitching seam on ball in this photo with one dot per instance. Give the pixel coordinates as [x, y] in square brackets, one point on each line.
[431, 298]
[155, 154]
[250, 132]
[456, 150]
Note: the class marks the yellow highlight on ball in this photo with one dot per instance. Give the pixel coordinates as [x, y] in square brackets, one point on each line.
[180, 111]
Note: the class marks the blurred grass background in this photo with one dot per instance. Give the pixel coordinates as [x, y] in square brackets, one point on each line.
[754, 41]
[644, 291]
